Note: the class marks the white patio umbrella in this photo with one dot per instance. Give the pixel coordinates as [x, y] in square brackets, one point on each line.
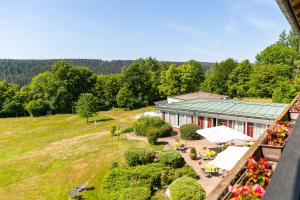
[229, 157]
[222, 134]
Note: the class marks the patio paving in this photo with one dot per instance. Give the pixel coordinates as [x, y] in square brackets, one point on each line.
[208, 183]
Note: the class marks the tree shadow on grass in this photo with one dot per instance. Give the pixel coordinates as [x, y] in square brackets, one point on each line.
[97, 121]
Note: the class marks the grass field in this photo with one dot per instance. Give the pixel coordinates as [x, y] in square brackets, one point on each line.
[44, 157]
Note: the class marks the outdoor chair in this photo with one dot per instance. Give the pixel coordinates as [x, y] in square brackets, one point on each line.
[82, 187]
[73, 194]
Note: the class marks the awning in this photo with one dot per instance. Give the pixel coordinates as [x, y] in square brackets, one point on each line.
[222, 134]
[229, 157]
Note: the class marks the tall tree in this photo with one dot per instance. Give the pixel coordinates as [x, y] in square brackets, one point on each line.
[216, 80]
[277, 54]
[238, 79]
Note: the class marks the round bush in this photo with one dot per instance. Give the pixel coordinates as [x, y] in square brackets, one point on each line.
[186, 188]
[137, 193]
[139, 157]
[141, 126]
[165, 130]
[189, 131]
[37, 107]
[152, 135]
[171, 174]
[171, 158]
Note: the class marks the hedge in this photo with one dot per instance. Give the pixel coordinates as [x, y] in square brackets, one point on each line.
[142, 126]
[137, 193]
[189, 131]
[152, 135]
[170, 174]
[139, 157]
[147, 176]
[186, 188]
[171, 158]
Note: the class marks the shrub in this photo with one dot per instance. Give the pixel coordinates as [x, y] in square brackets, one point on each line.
[189, 131]
[143, 124]
[139, 157]
[186, 188]
[165, 130]
[137, 193]
[152, 135]
[37, 107]
[128, 129]
[193, 150]
[171, 174]
[147, 176]
[171, 158]
[114, 164]
[113, 130]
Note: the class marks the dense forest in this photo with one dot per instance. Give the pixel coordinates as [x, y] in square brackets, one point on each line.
[275, 74]
[22, 71]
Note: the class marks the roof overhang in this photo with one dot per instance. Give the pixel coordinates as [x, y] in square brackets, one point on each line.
[291, 10]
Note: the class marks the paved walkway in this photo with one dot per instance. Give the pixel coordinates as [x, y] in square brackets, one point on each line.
[208, 183]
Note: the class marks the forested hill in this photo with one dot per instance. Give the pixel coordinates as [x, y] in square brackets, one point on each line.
[22, 71]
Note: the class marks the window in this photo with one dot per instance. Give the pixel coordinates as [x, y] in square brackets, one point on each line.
[181, 120]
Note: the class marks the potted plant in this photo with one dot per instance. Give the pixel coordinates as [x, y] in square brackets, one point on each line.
[193, 153]
[295, 110]
[273, 144]
[209, 154]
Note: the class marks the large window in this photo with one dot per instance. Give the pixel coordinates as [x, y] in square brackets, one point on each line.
[173, 120]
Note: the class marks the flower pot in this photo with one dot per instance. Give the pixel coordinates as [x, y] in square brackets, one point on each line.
[294, 115]
[272, 153]
[193, 156]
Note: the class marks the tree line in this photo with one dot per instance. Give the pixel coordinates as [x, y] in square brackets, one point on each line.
[21, 72]
[58, 90]
[275, 74]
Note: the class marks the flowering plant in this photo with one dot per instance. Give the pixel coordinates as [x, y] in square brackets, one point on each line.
[296, 106]
[258, 172]
[278, 133]
[247, 192]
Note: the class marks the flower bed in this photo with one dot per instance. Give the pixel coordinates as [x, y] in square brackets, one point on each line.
[274, 142]
[295, 109]
[256, 178]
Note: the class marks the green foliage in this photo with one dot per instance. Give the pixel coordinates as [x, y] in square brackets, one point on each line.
[209, 153]
[147, 176]
[238, 79]
[193, 150]
[189, 131]
[114, 164]
[37, 107]
[126, 99]
[86, 106]
[136, 193]
[186, 188]
[216, 79]
[128, 129]
[170, 174]
[277, 54]
[113, 130]
[142, 125]
[139, 157]
[152, 135]
[265, 78]
[185, 78]
[165, 130]
[171, 158]
[285, 92]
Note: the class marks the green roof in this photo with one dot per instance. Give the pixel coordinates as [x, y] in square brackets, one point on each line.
[229, 107]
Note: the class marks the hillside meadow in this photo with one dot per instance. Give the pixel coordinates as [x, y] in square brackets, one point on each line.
[44, 157]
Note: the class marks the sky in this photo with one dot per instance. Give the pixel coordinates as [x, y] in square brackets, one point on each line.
[173, 30]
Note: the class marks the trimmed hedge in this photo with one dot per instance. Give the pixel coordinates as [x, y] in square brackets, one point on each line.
[152, 135]
[147, 176]
[171, 158]
[139, 157]
[165, 130]
[186, 188]
[171, 174]
[189, 131]
[137, 193]
[142, 126]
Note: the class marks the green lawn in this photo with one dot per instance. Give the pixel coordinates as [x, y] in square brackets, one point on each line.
[44, 157]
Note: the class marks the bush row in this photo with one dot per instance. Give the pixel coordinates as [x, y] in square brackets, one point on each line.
[139, 157]
[140, 180]
[189, 131]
